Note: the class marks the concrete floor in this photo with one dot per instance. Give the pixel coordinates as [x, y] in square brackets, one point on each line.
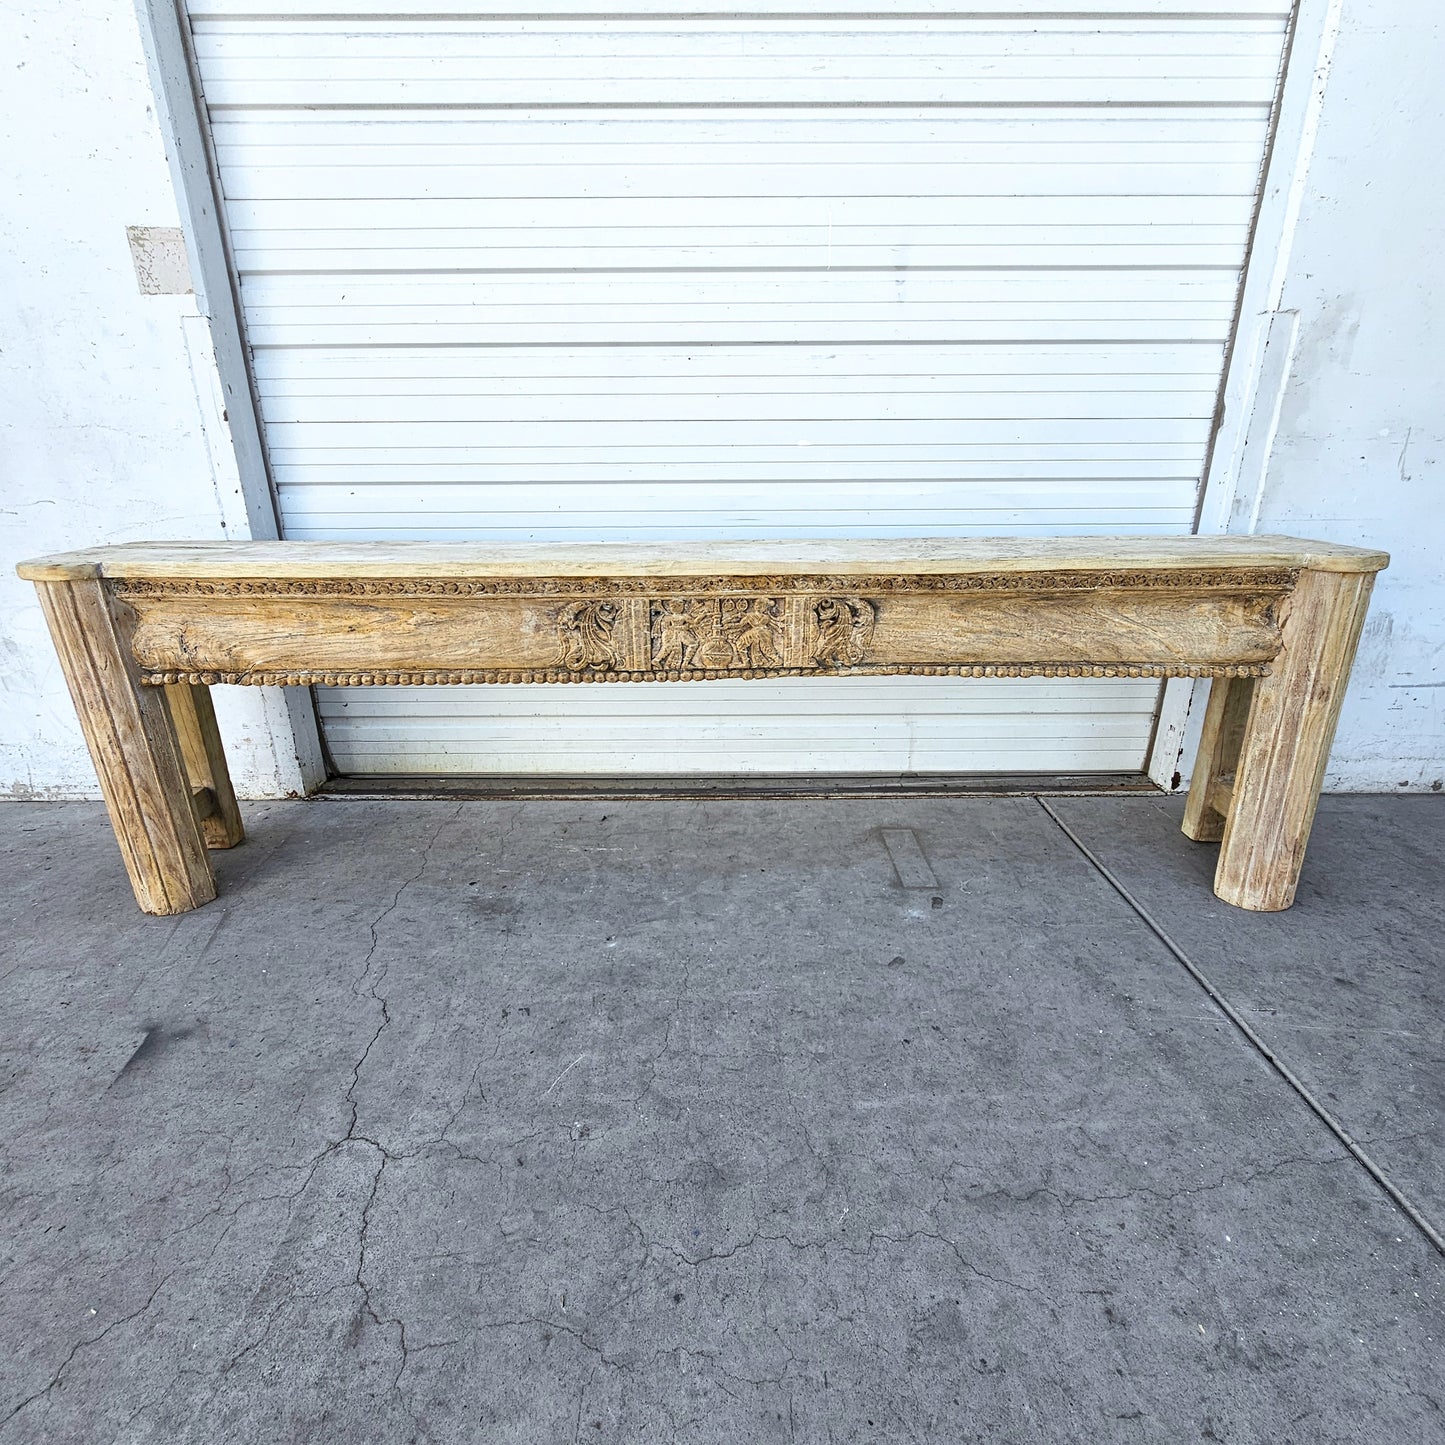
[693, 1122]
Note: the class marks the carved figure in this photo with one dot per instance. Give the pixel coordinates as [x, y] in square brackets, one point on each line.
[842, 630]
[716, 634]
[674, 633]
[754, 632]
[585, 635]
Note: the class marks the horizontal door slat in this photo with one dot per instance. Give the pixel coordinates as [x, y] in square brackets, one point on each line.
[440, 411]
[983, 363]
[421, 12]
[732, 179]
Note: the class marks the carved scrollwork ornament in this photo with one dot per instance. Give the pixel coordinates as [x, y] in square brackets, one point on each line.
[1253, 580]
[841, 629]
[585, 635]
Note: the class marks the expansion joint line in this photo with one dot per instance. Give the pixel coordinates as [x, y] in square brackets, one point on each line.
[1397, 1196]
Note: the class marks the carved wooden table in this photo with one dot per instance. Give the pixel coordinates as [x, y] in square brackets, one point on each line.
[144, 630]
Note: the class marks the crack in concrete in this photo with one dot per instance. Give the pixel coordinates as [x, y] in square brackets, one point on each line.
[958, 1254]
[353, 1136]
[360, 1278]
[371, 990]
[799, 1246]
[385, 1156]
[652, 1060]
[84, 1344]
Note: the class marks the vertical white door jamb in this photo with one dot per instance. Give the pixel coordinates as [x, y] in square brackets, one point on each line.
[232, 420]
[1262, 351]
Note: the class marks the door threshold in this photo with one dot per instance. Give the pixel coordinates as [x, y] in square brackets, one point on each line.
[482, 787]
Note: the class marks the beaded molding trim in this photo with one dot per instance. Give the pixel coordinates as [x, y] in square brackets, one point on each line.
[1228, 579]
[438, 677]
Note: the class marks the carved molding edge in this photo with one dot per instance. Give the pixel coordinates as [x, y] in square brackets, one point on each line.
[439, 677]
[1248, 579]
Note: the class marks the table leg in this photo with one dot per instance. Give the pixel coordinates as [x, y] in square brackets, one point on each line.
[133, 744]
[1287, 741]
[1224, 720]
[205, 764]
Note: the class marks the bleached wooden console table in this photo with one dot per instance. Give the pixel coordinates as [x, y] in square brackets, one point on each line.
[144, 630]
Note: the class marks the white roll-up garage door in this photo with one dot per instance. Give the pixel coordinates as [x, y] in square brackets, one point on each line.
[570, 273]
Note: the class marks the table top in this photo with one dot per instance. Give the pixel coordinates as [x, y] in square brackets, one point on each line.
[842, 557]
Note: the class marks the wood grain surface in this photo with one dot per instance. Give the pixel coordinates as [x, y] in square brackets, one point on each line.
[134, 747]
[1286, 743]
[844, 557]
[553, 639]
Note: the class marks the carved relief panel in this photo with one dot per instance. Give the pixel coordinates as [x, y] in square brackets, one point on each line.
[716, 634]
[364, 631]
[690, 634]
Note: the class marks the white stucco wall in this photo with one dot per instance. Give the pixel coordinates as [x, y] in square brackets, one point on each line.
[1359, 453]
[111, 425]
[110, 422]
